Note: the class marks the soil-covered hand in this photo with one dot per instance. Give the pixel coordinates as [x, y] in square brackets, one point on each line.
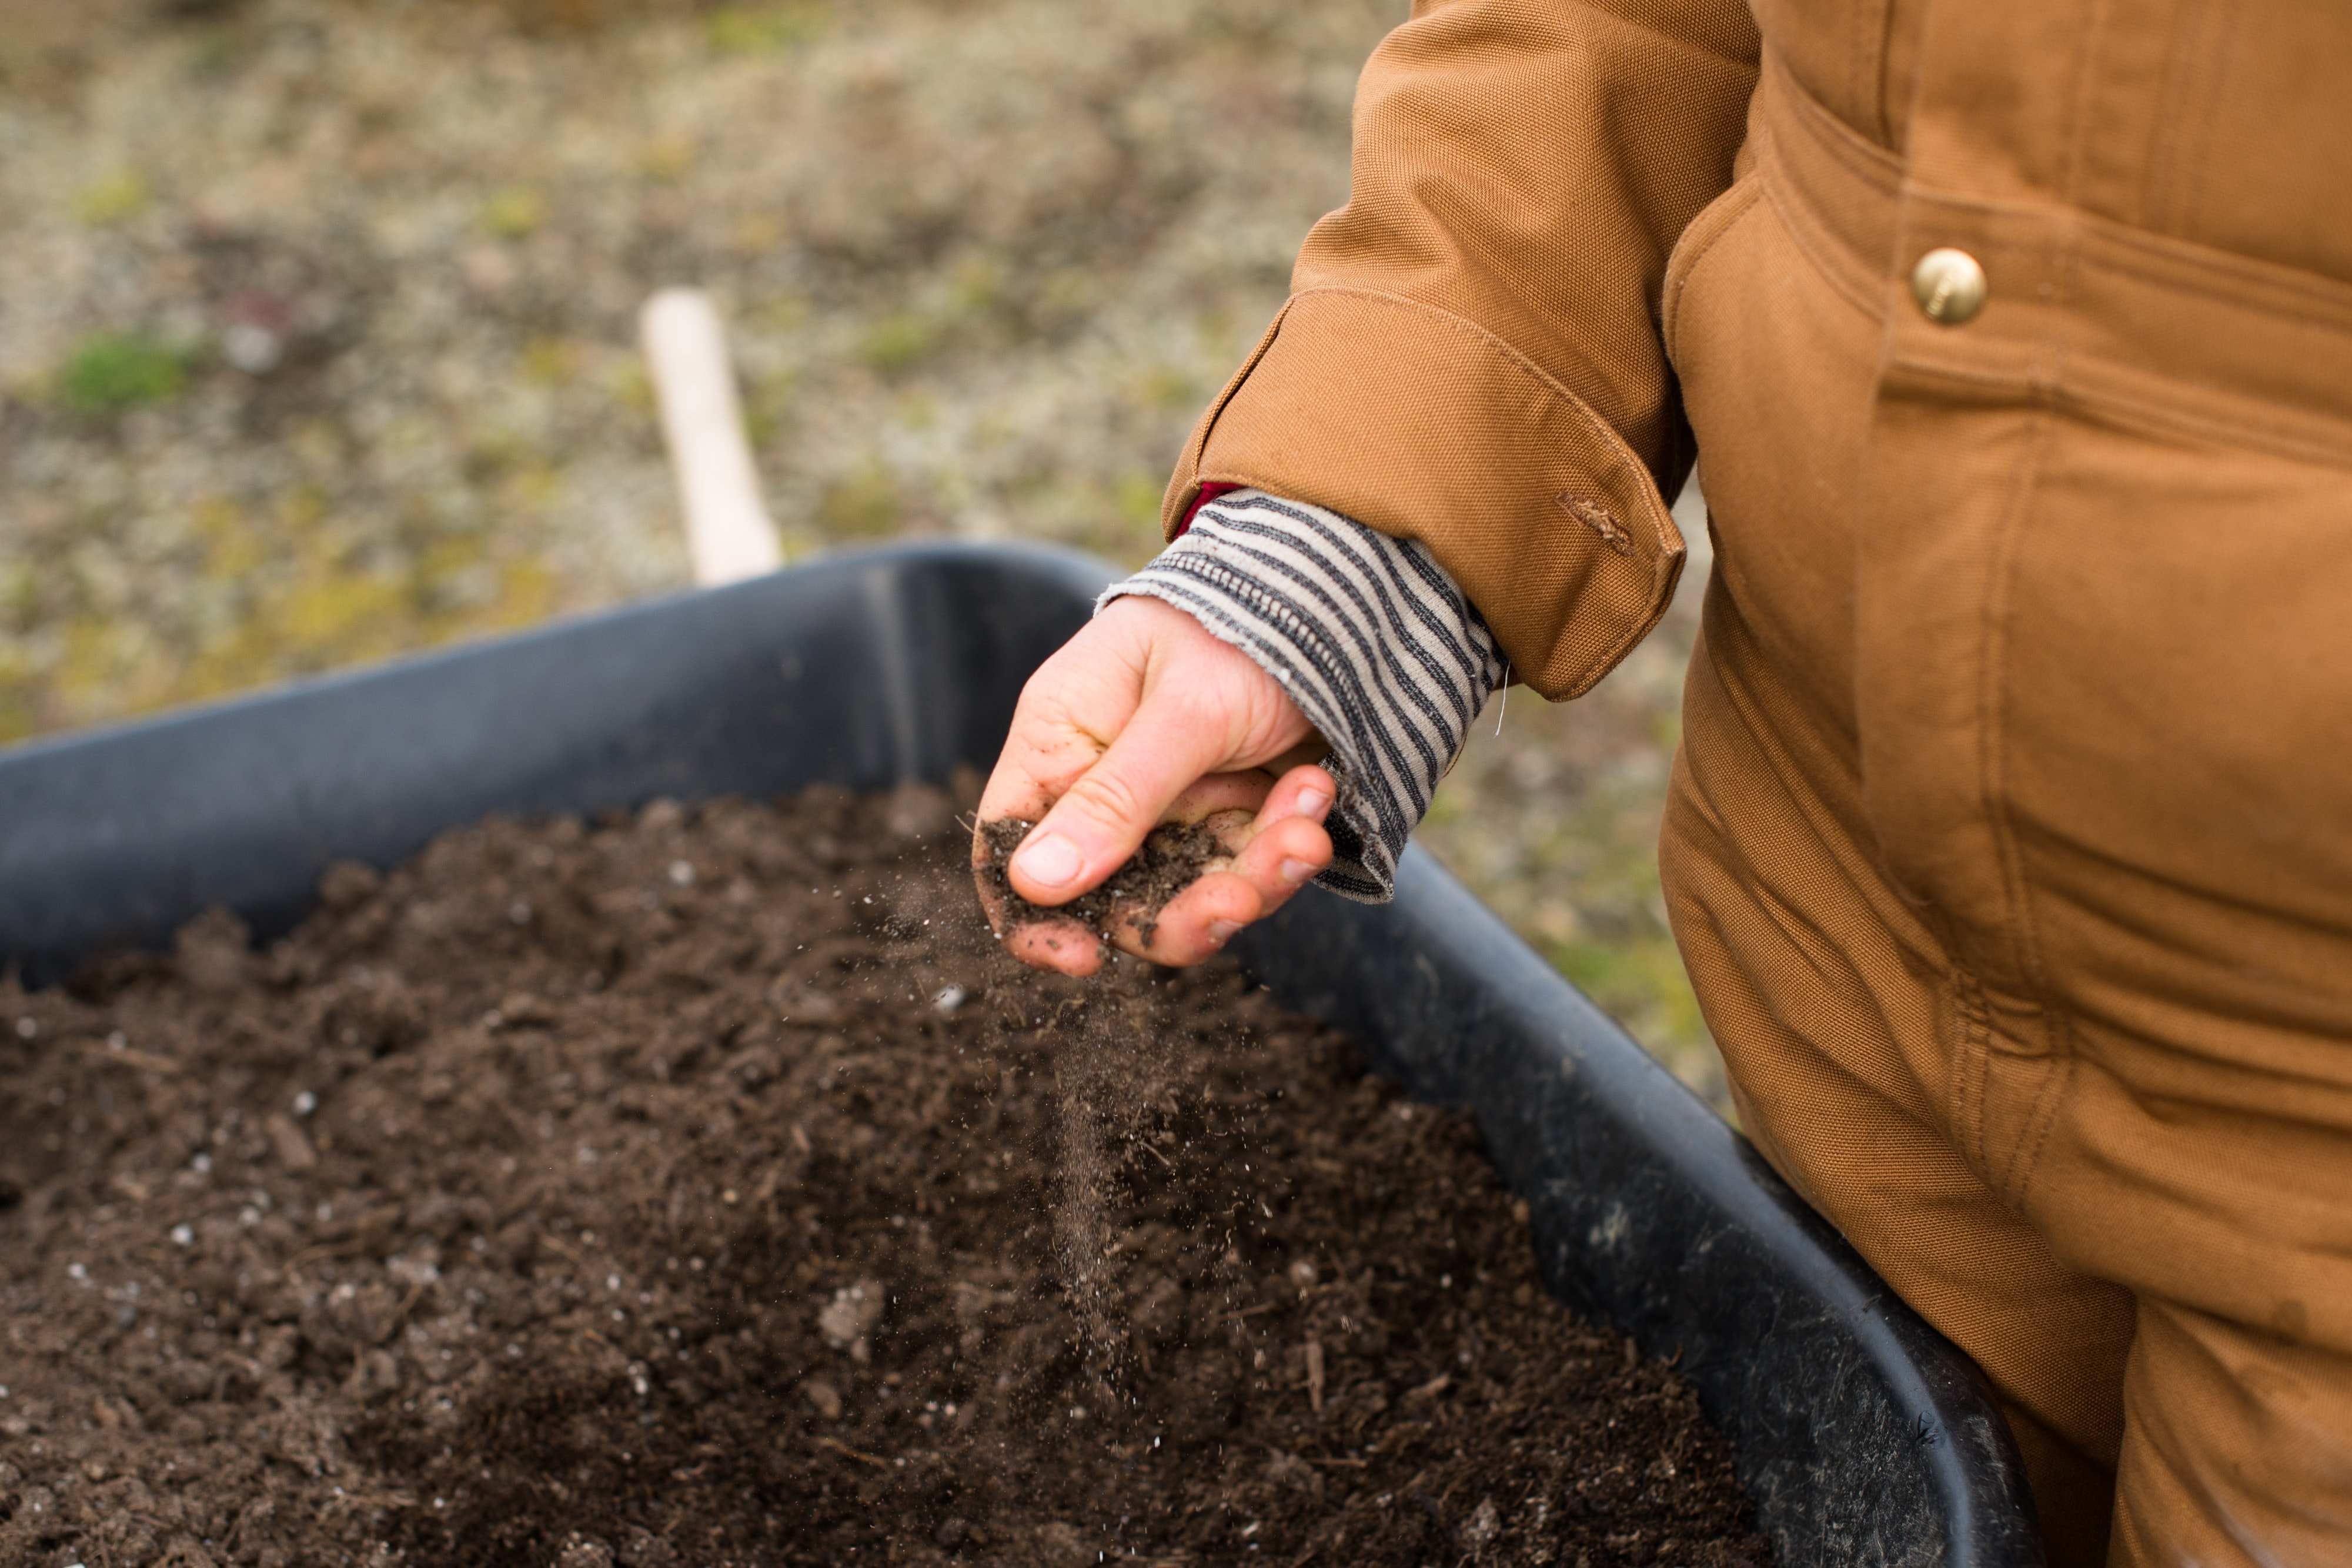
[1141, 718]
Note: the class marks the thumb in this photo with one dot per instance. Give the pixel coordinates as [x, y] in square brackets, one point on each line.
[1101, 819]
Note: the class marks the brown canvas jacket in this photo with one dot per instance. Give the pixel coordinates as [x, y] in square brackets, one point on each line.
[1474, 352]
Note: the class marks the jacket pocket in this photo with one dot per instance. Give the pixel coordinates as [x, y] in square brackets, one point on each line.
[1714, 220]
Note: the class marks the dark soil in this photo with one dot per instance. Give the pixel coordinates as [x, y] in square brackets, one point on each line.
[707, 1187]
[1173, 855]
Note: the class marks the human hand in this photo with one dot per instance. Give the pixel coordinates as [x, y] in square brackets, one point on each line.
[1140, 718]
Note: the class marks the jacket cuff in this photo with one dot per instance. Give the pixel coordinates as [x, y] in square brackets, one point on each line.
[1424, 427]
[1367, 635]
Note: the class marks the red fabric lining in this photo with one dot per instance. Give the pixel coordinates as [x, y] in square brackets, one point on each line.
[1210, 491]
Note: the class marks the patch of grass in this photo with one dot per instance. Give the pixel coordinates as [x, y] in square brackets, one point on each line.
[113, 198]
[778, 313]
[571, 18]
[899, 342]
[765, 29]
[111, 373]
[902, 339]
[1137, 498]
[1168, 389]
[515, 211]
[975, 287]
[213, 55]
[632, 386]
[313, 591]
[1118, 519]
[550, 362]
[492, 454]
[20, 689]
[1638, 977]
[864, 504]
[1068, 293]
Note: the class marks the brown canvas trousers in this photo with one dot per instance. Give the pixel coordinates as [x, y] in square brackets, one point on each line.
[2010, 843]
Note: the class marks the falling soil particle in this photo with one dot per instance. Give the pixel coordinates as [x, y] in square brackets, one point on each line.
[535, 1204]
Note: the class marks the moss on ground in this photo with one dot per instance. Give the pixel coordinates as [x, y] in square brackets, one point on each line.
[112, 373]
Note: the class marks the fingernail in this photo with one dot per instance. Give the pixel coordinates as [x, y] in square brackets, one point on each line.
[1049, 862]
[1220, 931]
[1295, 871]
[1312, 801]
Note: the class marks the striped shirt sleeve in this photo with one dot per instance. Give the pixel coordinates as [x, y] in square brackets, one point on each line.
[1369, 636]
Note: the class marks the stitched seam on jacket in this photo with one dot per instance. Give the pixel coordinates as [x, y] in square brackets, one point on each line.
[1829, 256]
[1602, 429]
[1960, 1021]
[1991, 707]
[2158, 414]
[2088, 56]
[1985, 1048]
[1738, 202]
[2193, 197]
[2186, 77]
[2183, 266]
[2146, 413]
[1861, 279]
[2057, 1078]
[1992, 710]
[1198, 444]
[1867, 28]
[1866, 159]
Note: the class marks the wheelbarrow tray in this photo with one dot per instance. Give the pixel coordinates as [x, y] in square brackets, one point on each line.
[1862, 1436]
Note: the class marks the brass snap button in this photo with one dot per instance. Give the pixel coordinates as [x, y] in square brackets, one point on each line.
[1948, 285]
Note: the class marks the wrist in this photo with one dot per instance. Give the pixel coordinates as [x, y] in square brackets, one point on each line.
[1367, 636]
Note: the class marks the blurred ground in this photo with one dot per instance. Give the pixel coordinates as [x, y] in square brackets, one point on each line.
[318, 337]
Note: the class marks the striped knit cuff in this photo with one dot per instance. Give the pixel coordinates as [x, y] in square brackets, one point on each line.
[1367, 635]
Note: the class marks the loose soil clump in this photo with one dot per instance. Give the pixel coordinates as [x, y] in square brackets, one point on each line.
[704, 1187]
[1172, 856]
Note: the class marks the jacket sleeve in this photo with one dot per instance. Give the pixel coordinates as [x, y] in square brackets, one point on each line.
[1470, 354]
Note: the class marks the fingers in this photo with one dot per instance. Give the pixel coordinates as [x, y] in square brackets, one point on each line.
[1195, 924]
[1245, 793]
[1280, 852]
[1060, 944]
[1288, 847]
[1103, 814]
[1069, 710]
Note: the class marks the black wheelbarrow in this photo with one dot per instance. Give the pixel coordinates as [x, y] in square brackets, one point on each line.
[1862, 1436]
